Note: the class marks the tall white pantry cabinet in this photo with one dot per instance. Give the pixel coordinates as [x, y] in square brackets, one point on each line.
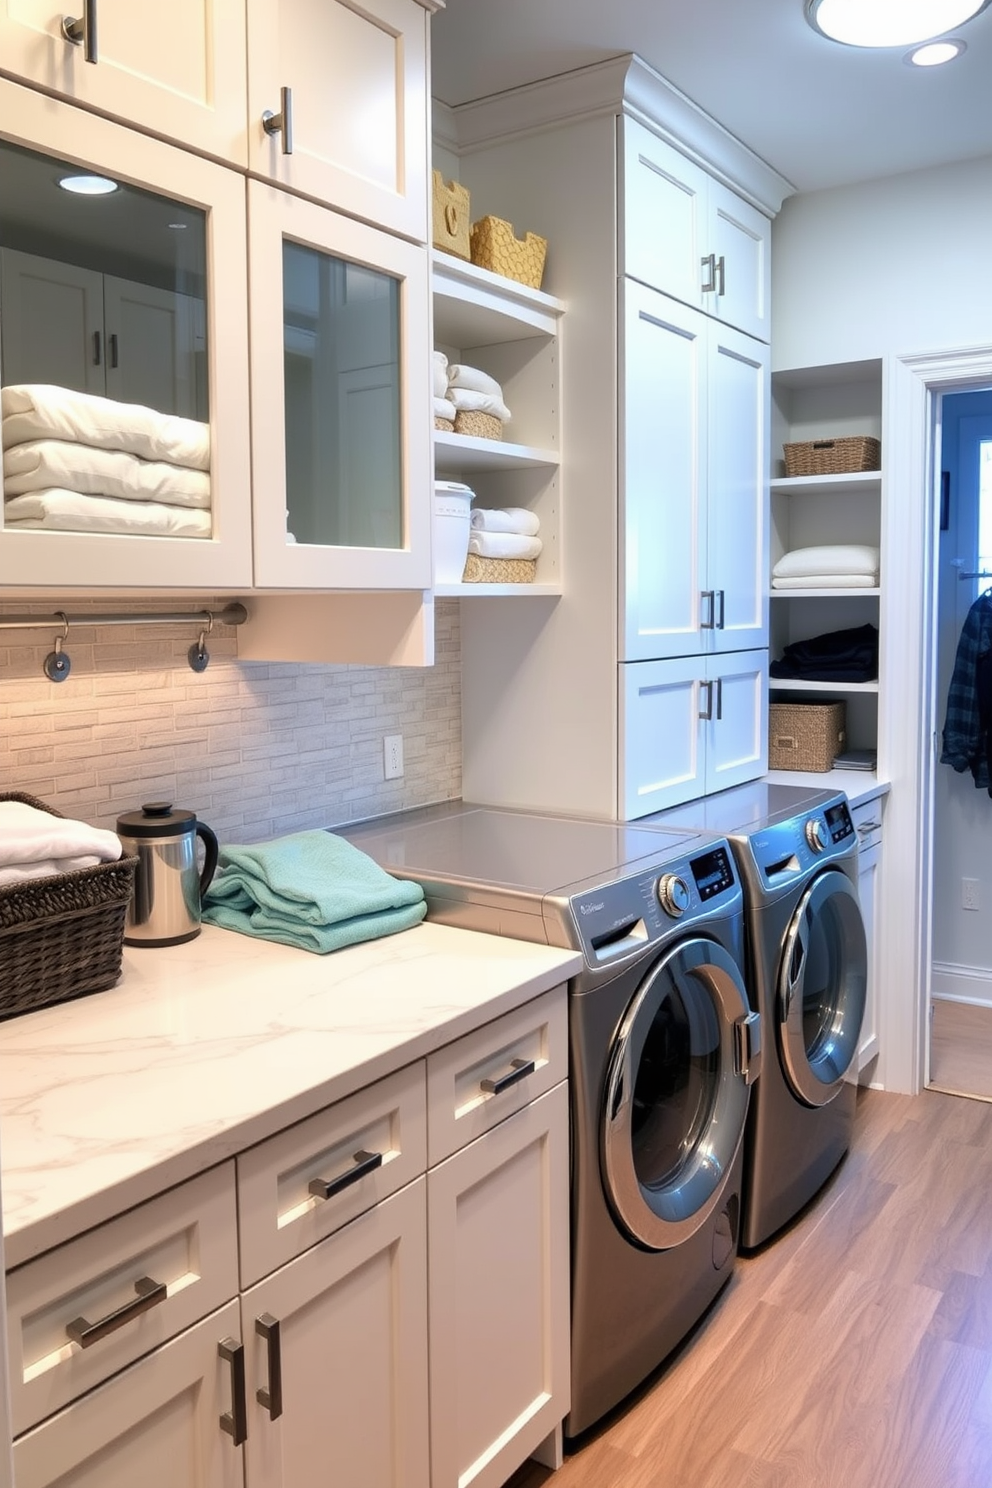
[645, 685]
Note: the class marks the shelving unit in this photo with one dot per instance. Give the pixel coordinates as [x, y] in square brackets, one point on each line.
[512, 332]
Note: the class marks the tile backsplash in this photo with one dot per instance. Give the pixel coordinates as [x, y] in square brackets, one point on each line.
[256, 749]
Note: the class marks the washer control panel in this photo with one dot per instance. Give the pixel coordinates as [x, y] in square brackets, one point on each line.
[673, 895]
[816, 834]
[712, 873]
[839, 823]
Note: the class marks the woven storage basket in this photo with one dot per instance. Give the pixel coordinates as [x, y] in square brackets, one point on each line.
[480, 425]
[495, 247]
[450, 216]
[805, 736]
[61, 937]
[480, 570]
[445, 425]
[833, 456]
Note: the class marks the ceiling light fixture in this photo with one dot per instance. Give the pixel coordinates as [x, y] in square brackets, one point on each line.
[889, 23]
[935, 52]
[88, 185]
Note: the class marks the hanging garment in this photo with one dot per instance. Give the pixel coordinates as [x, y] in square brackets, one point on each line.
[968, 722]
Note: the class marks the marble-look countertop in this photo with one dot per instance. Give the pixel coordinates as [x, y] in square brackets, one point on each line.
[205, 1048]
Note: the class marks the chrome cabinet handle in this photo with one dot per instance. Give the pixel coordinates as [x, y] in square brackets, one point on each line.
[97, 341]
[709, 265]
[722, 610]
[866, 827]
[267, 1327]
[365, 1162]
[519, 1069]
[150, 1294]
[282, 121]
[708, 715]
[81, 30]
[720, 275]
[719, 699]
[707, 596]
[235, 1421]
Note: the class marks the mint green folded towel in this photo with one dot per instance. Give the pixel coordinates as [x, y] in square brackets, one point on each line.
[311, 890]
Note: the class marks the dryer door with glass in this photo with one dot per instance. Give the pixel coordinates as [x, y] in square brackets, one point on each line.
[677, 1093]
[823, 981]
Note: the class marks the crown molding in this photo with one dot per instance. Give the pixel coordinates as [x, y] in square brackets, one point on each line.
[444, 127]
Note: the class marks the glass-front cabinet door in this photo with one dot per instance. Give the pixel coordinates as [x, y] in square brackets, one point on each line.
[341, 416]
[123, 357]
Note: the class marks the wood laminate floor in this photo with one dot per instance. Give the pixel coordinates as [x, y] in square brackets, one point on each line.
[853, 1352]
[961, 1049]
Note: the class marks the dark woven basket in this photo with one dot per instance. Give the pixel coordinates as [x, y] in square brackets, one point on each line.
[61, 937]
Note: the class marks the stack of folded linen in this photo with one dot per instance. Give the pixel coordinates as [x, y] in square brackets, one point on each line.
[38, 844]
[444, 409]
[477, 399]
[76, 462]
[837, 566]
[503, 546]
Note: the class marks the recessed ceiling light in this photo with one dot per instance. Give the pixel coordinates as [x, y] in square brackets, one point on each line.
[88, 185]
[889, 23]
[935, 52]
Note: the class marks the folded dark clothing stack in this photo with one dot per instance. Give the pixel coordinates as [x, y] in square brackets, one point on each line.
[839, 656]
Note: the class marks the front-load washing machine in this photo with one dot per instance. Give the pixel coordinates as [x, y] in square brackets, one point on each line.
[663, 1046]
[797, 853]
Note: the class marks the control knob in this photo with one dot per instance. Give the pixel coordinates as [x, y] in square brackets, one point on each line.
[815, 835]
[673, 895]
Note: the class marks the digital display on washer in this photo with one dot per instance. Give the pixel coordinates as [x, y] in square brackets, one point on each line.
[712, 873]
[839, 822]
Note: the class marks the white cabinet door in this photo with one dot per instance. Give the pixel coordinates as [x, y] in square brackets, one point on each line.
[663, 478]
[177, 70]
[356, 77]
[499, 1296]
[51, 325]
[341, 422]
[737, 489]
[740, 241]
[736, 747]
[343, 1370]
[155, 347]
[158, 1423]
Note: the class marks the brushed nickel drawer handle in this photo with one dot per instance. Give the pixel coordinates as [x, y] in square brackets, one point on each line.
[235, 1421]
[270, 1395]
[81, 30]
[150, 1294]
[282, 122]
[519, 1069]
[365, 1162]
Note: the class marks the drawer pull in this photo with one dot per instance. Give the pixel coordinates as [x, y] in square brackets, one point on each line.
[235, 1421]
[150, 1293]
[865, 827]
[365, 1162]
[267, 1327]
[519, 1069]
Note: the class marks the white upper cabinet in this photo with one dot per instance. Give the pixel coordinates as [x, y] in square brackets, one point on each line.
[177, 70]
[338, 105]
[685, 233]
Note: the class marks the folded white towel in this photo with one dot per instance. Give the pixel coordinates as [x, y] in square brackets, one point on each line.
[42, 463]
[67, 511]
[826, 581]
[503, 545]
[29, 835]
[471, 402]
[473, 379]
[836, 558]
[440, 374]
[45, 411]
[443, 408]
[505, 519]
[47, 868]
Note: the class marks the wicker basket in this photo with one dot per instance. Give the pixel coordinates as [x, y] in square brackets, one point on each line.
[479, 570]
[61, 937]
[446, 426]
[495, 247]
[805, 736]
[450, 216]
[479, 425]
[833, 456]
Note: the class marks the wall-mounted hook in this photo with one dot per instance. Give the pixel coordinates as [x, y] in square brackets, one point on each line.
[198, 655]
[57, 664]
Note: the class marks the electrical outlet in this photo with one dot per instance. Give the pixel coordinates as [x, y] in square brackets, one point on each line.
[969, 893]
[392, 748]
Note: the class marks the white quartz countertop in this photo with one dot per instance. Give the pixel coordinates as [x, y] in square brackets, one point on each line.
[205, 1048]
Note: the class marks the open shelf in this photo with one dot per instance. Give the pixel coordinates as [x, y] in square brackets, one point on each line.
[462, 453]
[848, 593]
[799, 684]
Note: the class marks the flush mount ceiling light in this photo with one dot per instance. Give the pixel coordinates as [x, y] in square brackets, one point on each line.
[935, 53]
[88, 185]
[889, 23]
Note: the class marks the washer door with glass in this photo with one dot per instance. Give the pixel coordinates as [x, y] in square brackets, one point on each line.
[677, 1093]
[823, 982]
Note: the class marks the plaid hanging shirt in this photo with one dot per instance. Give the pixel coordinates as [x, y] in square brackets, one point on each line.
[967, 720]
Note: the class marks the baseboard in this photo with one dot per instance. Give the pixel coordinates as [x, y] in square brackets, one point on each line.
[954, 983]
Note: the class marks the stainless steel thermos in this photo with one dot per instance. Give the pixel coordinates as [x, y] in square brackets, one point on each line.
[165, 907]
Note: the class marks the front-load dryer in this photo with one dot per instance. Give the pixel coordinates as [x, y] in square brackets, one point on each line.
[797, 853]
[663, 1046]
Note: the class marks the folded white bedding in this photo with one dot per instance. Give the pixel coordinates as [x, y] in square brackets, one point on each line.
[45, 411]
[47, 868]
[835, 558]
[42, 463]
[444, 408]
[826, 581]
[440, 362]
[473, 379]
[471, 402]
[67, 511]
[503, 545]
[505, 519]
[28, 835]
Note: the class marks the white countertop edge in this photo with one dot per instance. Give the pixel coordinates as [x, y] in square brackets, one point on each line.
[192, 1057]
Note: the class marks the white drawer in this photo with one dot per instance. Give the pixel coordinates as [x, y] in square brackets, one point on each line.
[479, 1080]
[867, 819]
[360, 1149]
[74, 1314]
